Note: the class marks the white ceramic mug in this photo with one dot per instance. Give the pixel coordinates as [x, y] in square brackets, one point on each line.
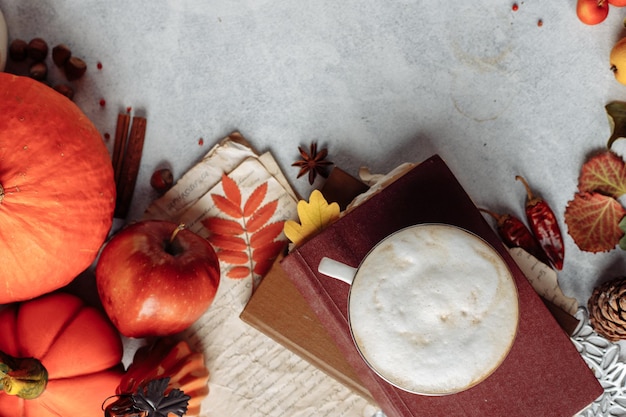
[432, 308]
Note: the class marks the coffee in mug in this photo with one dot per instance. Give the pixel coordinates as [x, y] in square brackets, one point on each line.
[433, 309]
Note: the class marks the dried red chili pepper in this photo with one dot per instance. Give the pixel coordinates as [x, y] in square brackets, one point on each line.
[545, 226]
[515, 234]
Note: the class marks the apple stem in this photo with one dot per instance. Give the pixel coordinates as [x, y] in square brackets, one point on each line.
[1, 193]
[613, 68]
[175, 232]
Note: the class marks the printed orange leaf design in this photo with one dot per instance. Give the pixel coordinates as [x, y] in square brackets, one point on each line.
[239, 272]
[314, 216]
[231, 190]
[593, 221]
[255, 200]
[223, 226]
[266, 234]
[261, 268]
[261, 216]
[246, 239]
[229, 242]
[232, 257]
[267, 251]
[604, 173]
[226, 205]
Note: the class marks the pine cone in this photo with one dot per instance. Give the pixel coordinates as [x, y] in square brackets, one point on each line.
[607, 309]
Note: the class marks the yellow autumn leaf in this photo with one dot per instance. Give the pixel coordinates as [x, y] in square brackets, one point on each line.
[314, 216]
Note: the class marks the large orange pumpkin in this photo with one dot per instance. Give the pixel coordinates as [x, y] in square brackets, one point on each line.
[72, 343]
[57, 192]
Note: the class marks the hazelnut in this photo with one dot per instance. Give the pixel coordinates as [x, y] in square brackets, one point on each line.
[75, 68]
[38, 71]
[17, 50]
[60, 55]
[162, 180]
[37, 49]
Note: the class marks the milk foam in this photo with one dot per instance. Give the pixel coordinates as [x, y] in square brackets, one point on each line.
[433, 309]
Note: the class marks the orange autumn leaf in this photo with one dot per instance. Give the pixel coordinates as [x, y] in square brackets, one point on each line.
[593, 221]
[263, 267]
[239, 272]
[255, 200]
[233, 257]
[266, 234]
[226, 205]
[604, 173]
[231, 190]
[228, 242]
[221, 226]
[267, 251]
[243, 236]
[261, 216]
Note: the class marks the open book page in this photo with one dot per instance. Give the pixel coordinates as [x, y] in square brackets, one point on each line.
[544, 280]
[243, 216]
[251, 375]
[206, 174]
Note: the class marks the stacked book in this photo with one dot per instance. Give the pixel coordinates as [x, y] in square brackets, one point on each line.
[543, 374]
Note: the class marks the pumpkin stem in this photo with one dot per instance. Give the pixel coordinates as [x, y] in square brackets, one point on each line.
[23, 377]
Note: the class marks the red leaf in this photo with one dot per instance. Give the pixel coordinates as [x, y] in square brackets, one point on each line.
[268, 251]
[233, 257]
[231, 190]
[226, 206]
[261, 216]
[593, 221]
[255, 200]
[604, 173]
[223, 226]
[266, 234]
[238, 272]
[228, 242]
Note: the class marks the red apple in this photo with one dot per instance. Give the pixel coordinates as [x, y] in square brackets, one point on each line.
[155, 278]
[592, 12]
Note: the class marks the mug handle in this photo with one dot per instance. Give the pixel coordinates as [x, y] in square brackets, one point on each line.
[337, 270]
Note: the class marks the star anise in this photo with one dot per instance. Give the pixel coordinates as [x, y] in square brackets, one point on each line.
[313, 162]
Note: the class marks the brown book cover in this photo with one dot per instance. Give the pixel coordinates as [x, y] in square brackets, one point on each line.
[543, 375]
[278, 310]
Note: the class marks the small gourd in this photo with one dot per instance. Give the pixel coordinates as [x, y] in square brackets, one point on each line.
[58, 358]
[57, 191]
[172, 365]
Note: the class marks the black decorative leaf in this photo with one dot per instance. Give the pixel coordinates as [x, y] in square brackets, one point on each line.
[152, 399]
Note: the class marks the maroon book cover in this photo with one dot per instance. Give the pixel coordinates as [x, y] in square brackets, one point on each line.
[543, 375]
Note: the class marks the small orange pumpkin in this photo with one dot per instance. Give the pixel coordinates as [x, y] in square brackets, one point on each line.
[57, 192]
[60, 354]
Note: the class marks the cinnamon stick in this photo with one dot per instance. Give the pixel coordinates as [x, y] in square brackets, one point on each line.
[121, 133]
[130, 161]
